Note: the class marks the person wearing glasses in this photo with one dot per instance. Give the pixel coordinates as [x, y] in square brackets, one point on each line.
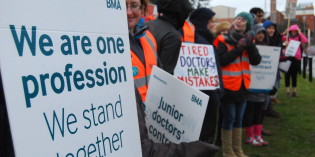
[236, 52]
[143, 49]
[259, 15]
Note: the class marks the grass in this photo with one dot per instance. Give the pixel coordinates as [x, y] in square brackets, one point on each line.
[293, 134]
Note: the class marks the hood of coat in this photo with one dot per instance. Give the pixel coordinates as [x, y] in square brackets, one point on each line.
[175, 10]
[259, 28]
[294, 28]
[201, 16]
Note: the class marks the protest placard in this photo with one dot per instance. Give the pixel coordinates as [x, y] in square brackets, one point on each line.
[197, 67]
[263, 75]
[285, 66]
[175, 110]
[67, 79]
[292, 48]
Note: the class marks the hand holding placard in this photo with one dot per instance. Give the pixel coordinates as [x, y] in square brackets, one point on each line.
[292, 48]
[173, 117]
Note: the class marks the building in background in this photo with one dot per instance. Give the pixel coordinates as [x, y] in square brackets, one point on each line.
[305, 14]
[224, 13]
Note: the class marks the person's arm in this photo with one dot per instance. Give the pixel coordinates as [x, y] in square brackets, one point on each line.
[303, 38]
[226, 57]
[253, 54]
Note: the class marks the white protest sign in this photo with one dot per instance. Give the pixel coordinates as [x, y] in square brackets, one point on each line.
[292, 48]
[285, 66]
[196, 66]
[175, 110]
[67, 78]
[263, 76]
[290, 11]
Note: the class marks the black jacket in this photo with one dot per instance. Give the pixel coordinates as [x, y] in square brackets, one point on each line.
[168, 42]
[200, 18]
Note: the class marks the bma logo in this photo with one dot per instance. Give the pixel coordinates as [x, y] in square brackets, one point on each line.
[196, 100]
[114, 4]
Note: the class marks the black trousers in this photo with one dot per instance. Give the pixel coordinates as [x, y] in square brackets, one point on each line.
[209, 125]
[292, 72]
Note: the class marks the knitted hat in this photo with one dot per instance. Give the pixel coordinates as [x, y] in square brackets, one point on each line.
[248, 17]
[268, 23]
[201, 16]
[257, 28]
[222, 26]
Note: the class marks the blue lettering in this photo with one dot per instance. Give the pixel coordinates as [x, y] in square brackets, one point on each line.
[43, 44]
[24, 36]
[29, 95]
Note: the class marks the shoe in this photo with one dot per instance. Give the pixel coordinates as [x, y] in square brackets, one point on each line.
[252, 141]
[273, 114]
[237, 142]
[275, 100]
[288, 94]
[227, 148]
[261, 141]
[294, 94]
[265, 133]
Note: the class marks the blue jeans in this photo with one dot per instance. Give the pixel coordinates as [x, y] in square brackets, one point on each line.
[232, 114]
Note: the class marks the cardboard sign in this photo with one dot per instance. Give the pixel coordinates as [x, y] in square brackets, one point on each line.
[290, 9]
[285, 66]
[263, 76]
[67, 78]
[292, 48]
[197, 67]
[175, 110]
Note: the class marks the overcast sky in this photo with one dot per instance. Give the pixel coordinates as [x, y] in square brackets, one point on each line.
[246, 5]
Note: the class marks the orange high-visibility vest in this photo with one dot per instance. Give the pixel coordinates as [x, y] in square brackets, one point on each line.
[188, 32]
[142, 71]
[236, 72]
[149, 18]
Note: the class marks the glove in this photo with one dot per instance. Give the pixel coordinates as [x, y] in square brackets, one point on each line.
[242, 43]
[250, 36]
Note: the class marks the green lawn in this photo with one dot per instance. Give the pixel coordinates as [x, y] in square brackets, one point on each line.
[293, 134]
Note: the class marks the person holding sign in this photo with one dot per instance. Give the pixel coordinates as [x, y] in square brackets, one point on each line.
[236, 52]
[274, 40]
[143, 55]
[295, 34]
[203, 20]
[139, 39]
[253, 116]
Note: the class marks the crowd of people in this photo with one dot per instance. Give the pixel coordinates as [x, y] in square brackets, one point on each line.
[232, 107]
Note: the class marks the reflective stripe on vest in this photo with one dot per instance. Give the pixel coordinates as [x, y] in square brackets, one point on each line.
[142, 77]
[188, 32]
[236, 72]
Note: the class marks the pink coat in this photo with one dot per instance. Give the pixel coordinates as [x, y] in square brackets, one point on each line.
[300, 37]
